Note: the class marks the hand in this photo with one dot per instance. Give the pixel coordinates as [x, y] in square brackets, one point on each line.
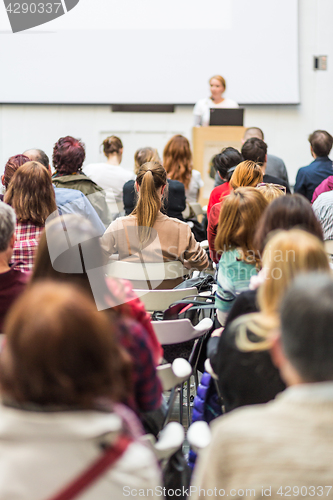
[217, 332]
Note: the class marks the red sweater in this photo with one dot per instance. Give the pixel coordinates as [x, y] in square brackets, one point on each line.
[216, 195]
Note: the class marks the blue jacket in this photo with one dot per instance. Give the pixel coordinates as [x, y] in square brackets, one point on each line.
[308, 178]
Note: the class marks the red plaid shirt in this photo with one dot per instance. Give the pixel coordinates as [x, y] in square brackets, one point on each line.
[27, 239]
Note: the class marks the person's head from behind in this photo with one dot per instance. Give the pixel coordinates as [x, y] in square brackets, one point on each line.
[246, 174]
[304, 351]
[11, 166]
[321, 143]
[113, 148]
[68, 155]
[80, 262]
[177, 159]
[255, 149]
[287, 212]
[286, 255]
[62, 355]
[38, 155]
[31, 194]
[145, 155]
[239, 216]
[7, 232]
[271, 191]
[217, 86]
[151, 183]
[253, 132]
[226, 160]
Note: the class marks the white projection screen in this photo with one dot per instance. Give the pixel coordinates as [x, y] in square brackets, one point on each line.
[154, 52]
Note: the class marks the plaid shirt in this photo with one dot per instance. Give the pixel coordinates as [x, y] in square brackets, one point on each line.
[27, 239]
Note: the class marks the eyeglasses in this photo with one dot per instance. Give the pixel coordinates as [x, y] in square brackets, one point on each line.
[268, 184]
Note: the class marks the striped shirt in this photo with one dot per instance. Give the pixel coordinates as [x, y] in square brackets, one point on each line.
[323, 209]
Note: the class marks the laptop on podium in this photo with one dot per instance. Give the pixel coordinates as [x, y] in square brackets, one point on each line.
[226, 117]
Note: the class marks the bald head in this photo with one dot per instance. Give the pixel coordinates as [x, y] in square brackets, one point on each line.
[38, 155]
[253, 132]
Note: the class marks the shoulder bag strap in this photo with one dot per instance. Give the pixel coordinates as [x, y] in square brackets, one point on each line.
[109, 457]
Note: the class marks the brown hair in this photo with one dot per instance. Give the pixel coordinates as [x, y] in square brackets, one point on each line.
[64, 353]
[112, 145]
[321, 142]
[71, 264]
[144, 155]
[31, 194]
[220, 79]
[11, 166]
[246, 174]
[240, 213]
[177, 159]
[151, 177]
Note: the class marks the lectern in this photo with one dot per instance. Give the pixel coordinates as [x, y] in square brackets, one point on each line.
[207, 142]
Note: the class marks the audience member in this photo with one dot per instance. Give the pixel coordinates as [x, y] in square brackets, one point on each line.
[69, 201]
[271, 191]
[323, 209]
[68, 158]
[239, 261]
[177, 161]
[246, 174]
[255, 149]
[324, 187]
[287, 212]
[242, 362]
[110, 175]
[63, 378]
[308, 178]
[175, 203]
[81, 264]
[13, 163]
[149, 235]
[270, 448]
[223, 163]
[12, 280]
[31, 194]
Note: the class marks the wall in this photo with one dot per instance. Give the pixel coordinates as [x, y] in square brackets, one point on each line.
[286, 127]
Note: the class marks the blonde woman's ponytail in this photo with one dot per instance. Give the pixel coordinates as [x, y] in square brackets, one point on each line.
[150, 178]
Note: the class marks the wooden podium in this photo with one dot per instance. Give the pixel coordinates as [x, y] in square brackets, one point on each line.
[207, 142]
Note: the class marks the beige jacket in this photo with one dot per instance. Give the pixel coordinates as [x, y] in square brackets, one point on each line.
[171, 239]
[281, 448]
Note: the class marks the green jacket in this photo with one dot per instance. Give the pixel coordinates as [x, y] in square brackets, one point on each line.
[89, 188]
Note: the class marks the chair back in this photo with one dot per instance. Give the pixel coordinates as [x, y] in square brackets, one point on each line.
[159, 300]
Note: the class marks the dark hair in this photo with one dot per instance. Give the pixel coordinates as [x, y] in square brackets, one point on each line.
[306, 326]
[31, 193]
[224, 161]
[11, 166]
[71, 264]
[287, 212]
[40, 156]
[112, 145]
[150, 177]
[68, 155]
[254, 149]
[64, 354]
[321, 142]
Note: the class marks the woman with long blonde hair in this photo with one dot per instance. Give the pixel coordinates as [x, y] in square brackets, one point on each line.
[175, 203]
[243, 364]
[177, 161]
[149, 235]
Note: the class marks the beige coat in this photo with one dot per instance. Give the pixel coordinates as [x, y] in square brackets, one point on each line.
[283, 448]
[170, 240]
